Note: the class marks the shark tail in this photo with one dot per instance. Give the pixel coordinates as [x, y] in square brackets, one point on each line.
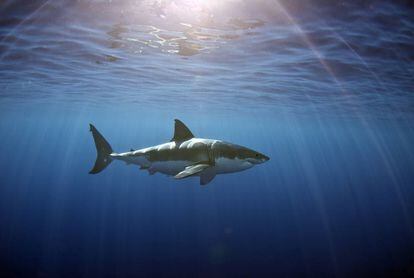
[103, 158]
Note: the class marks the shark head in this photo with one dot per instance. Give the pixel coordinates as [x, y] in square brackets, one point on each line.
[251, 156]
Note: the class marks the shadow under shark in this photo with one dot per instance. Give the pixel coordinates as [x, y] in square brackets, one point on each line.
[184, 156]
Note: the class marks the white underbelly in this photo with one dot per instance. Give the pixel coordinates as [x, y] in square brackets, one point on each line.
[169, 167]
[226, 165]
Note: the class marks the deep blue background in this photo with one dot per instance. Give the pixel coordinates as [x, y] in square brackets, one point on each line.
[335, 199]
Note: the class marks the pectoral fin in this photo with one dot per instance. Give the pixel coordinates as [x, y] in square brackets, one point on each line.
[207, 176]
[192, 170]
[152, 171]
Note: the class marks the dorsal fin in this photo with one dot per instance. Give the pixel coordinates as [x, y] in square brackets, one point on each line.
[181, 132]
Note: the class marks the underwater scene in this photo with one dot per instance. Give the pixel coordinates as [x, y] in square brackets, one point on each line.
[206, 138]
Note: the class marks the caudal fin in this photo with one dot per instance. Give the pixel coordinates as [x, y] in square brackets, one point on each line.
[103, 150]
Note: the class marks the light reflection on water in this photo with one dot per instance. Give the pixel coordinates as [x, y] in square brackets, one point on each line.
[298, 57]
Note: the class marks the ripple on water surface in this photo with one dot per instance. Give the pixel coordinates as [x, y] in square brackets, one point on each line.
[301, 57]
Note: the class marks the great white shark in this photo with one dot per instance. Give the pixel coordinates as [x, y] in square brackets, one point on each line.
[183, 156]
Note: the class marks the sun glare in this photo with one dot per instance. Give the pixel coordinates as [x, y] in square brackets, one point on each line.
[193, 9]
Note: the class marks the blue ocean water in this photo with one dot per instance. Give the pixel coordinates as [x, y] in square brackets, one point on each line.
[324, 89]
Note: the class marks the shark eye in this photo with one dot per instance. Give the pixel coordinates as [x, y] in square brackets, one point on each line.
[257, 155]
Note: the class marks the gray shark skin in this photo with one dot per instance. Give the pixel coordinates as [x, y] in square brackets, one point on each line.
[184, 156]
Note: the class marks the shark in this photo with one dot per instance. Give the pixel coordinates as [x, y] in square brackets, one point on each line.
[183, 156]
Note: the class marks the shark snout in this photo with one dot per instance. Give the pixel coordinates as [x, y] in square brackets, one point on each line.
[263, 159]
[258, 159]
